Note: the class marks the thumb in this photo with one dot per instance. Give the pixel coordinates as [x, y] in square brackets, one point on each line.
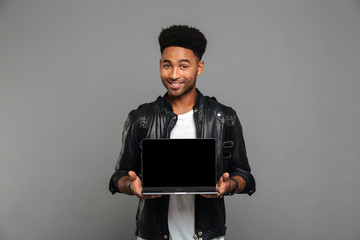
[226, 177]
[132, 175]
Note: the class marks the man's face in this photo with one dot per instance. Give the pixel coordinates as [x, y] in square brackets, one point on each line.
[179, 68]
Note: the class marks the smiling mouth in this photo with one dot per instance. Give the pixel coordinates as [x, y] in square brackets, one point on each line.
[175, 86]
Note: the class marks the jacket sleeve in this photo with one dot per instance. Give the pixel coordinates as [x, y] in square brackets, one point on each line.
[239, 164]
[129, 157]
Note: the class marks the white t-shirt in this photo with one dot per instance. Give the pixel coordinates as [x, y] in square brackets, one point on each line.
[181, 214]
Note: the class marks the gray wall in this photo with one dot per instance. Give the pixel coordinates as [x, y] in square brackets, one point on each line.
[70, 71]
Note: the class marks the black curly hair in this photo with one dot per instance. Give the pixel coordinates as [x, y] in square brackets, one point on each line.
[183, 36]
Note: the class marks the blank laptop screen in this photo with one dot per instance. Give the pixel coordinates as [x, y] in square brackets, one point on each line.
[181, 164]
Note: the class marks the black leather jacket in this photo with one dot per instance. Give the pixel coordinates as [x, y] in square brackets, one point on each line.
[151, 219]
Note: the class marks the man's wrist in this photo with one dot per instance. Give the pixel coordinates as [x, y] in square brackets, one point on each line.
[129, 187]
[236, 187]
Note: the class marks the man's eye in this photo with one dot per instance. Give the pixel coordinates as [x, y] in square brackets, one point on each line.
[184, 67]
[166, 65]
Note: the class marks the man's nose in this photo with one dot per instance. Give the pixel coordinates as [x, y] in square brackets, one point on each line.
[174, 74]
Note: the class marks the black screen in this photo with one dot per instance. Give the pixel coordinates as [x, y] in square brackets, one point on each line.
[178, 162]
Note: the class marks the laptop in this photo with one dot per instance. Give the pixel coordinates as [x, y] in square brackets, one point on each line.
[178, 166]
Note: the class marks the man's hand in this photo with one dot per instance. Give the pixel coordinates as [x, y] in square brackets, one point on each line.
[224, 186]
[136, 187]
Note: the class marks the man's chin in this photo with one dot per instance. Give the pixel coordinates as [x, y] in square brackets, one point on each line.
[175, 95]
[175, 92]
[178, 93]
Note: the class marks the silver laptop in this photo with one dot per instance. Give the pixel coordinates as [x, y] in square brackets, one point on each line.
[178, 166]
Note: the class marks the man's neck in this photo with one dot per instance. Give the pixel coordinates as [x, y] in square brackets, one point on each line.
[183, 104]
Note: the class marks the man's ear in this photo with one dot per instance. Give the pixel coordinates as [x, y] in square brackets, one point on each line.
[200, 68]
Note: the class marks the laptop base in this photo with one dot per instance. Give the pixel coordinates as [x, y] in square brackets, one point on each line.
[178, 193]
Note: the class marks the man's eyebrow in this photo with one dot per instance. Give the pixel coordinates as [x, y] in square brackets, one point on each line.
[184, 60]
[181, 60]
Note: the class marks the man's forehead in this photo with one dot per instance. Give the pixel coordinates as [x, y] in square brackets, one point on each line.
[177, 46]
[175, 53]
[178, 50]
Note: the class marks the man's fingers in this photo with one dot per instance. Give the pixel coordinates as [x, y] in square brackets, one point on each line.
[135, 184]
[222, 185]
[212, 195]
[224, 178]
[208, 195]
[136, 187]
[150, 196]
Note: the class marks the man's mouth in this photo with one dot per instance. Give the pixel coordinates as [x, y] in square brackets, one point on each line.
[175, 85]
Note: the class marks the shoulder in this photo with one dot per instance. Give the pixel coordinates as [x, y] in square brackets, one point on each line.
[143, 110]
[214, 103]
[224, 113]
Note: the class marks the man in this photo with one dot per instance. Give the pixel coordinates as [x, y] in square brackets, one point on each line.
[183, 112]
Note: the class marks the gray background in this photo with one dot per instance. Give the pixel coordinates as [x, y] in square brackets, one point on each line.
[70, 71]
